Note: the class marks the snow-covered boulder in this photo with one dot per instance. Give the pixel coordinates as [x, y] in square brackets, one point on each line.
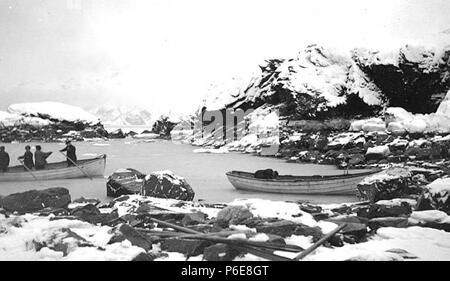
[368, 125]
[124, 181]
[377, 152]
[436, 196]
[165, 184]
[388, 184]
[396, 128]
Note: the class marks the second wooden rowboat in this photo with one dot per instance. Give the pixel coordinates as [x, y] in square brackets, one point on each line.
[344, 184]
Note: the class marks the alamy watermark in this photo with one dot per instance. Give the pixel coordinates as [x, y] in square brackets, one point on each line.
[216, 128]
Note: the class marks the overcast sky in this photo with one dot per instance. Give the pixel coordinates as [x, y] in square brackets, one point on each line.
[164, 54]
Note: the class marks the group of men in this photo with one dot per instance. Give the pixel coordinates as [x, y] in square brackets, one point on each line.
[40, 157]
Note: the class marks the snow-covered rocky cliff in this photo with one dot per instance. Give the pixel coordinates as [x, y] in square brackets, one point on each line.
[48, 121]
[357, 83]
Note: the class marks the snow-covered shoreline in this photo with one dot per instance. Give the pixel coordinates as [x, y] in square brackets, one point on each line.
[85, 229]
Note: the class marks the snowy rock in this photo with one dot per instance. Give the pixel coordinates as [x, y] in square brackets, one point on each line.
[377, 152]
[234, 215]
[430, 218]
[165, 184]
[368, 125]
[396, 128]
[126, 232]
[124, 181]
[35, 200]
[92, 214]
[379, 211]
[436, 196]
[388, 184]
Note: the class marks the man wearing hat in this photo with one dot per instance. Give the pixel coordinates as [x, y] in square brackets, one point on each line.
[71, 153]
[27, 158]
[4, 159]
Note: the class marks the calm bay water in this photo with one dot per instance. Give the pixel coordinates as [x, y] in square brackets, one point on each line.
[204, 172]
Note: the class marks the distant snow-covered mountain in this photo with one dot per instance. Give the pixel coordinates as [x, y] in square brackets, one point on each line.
[111, 115]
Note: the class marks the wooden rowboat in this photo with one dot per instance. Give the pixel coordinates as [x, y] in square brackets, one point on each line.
[325, 185]
[93, 167]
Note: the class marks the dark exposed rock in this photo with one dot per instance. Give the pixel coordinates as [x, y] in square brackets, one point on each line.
[349, 219]
[117, 134]
[376, 223]
[358, 230]
[144, 257]
[167, 185]
[285, 228]
[193, 218]
[220, 252]
[344, 209]
[35, 200]
[337, 240]
[124, 181]
[314, 232]
[378, 211]
[310, 208]
[281, 228]
[233, 215]
[126, 232]
[92, 214]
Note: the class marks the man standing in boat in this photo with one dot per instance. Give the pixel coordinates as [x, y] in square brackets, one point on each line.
[40, 158]
[4, 159]
[27, 158]
[70, 154]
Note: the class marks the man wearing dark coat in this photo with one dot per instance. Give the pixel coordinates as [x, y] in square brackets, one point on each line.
[4, 159]
[70, 154]
[40, 158]
[27, 158]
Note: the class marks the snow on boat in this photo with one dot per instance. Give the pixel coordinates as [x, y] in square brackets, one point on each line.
[92, 166]
[322, 185]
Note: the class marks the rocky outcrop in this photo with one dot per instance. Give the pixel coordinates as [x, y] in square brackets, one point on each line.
[35, 200]
[413, 78]
[165, 184]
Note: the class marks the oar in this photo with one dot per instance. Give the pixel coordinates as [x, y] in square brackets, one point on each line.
[29, 170]
[320, 242]
[81, 169]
